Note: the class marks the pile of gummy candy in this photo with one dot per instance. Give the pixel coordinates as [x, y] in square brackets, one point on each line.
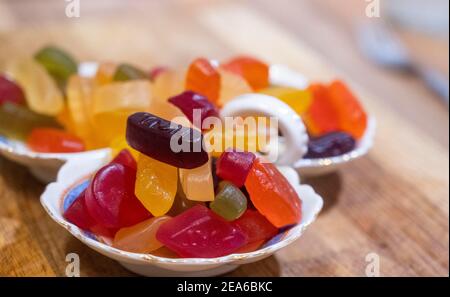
[46, 103]
[183, 204]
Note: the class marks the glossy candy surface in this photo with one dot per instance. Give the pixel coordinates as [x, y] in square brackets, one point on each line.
[57, 62]
[51, 140]
[78, 214]
[128, 72]
[298, 100]
[199, 232]
[151, 135]
[255, 226]
[140, 238]
[234, 166]
[10, 91]
[181, 203]
[156, 185]
[197, 183]
[231, 86]
[330, 145]
[110, 197]
[255, 72]
[203, 78]
[120, 143]
[272, 195]
[168, 83]
[230, 203]
[124, 157]
[195, 107]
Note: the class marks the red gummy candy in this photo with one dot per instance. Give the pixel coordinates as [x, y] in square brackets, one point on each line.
[124, 157]
[255, 226]
[154, 72]
[189, 101]
[234, 166]
[203, 78]
[199, 232]
[110, 197]
[10, 92]
[78, 214]
[255, 72]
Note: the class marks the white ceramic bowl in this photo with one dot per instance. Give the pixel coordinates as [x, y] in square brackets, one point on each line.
[73, 177]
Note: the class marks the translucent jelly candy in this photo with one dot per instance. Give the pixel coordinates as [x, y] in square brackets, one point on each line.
[51, 140]
[124, 157]
[168, 83]
[57, 62]
[120, 143]
[140, 238]
[181, 203]
[203, 78]
[230, 203]
[257, 228]
[231, 86]
[352, 117]
[128, 72]
[234, 166]
[298, 100]
[196, 107]
[197, 183]
[78, 214]
[107, 126]
[155, 71]
[156, 185]
[199, 232]
[10, 92]
[152, 136]
[321, 116]
[42, 93]
[105, 73]
[329, 145]
[272, 195]
[110, 197]
[254, 71]
[17, 121]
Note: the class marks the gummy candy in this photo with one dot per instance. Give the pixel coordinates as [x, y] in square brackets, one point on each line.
[197, 183]
[120, 143]
[155, 71]
[51, 140]
[234, 166]
[181, 203]
[254, 71]
[152, 136]
[255, 226]
[164, 252]
[110, 197]
[203, 78]
[329, 145]
[128, 72]
[41, 92]
[352, 117]
[231, 86]
[17, 121]
[108, 126]
[199, 232]
[272, 195]
[58, 63]
[78, 214]
[194, 105]
[105, 73]
[140, 238]
[124, 157]
[298, 100]
[168, 83]
[10, 92]
[230, 203]
[156, 185]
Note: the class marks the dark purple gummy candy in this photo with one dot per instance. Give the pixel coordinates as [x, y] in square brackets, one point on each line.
[152, 136]
[330, 145]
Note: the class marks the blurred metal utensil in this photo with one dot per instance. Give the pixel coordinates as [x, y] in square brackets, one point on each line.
[382, 46]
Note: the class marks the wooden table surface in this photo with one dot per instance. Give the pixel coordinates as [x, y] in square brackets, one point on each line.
[394, 202]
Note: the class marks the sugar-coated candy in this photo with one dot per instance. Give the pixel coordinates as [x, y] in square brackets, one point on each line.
[10, 91]
[124, 157]
[78, 214]
[156, 185]
[57, 62]
[140, 238]
[203, 78]
[298, 100]
[110, 197]
[197, 183]
[330, 145]
[41, 92]
[17, 121]
[352, 117]
[128, 72]
[231, 86]
[51, 140]
[272, 195]
[234, 166]
[230, 203]
[254, 71]
[152, 136]
[195, 105]
[255, 226]
[199, 232]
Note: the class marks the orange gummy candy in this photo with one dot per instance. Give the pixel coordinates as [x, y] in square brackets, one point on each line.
[254, 71]
[352, 117]
[203, 78]
[272, 195]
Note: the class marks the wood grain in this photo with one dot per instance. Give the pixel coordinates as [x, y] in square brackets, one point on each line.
[394, 202]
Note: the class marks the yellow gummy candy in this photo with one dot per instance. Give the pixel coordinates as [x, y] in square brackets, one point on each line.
[167, 84]
[198, 183]
[298, 100]
[156, 185]
[231, 85]
[119, 143]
